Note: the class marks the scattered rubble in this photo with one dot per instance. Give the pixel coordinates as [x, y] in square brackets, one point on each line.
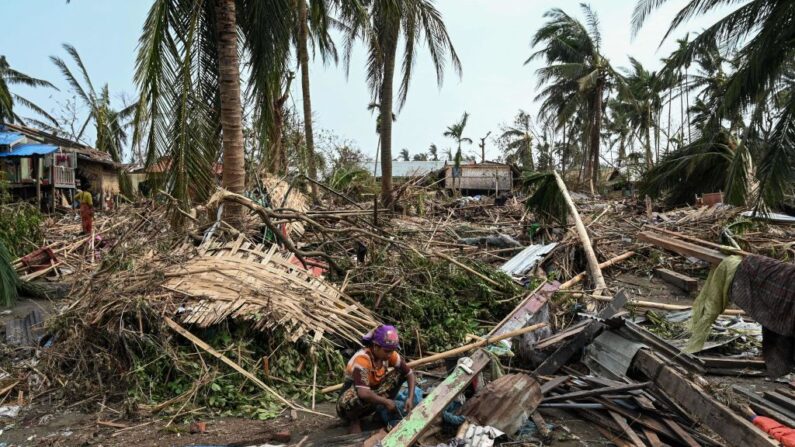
[511, 321]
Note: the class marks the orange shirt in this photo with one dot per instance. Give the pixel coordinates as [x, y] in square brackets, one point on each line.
[365, 371]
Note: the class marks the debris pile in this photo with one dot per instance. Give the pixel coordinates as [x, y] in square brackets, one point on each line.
[514, 323]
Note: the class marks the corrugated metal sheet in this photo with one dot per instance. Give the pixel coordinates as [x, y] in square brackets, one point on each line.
[505, 403]
[610, 355]
[526, 259]
[406, 168]
[8, 138]
[26, 150]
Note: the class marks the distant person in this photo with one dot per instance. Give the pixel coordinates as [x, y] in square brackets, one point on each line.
[369, 385]
[86, 204]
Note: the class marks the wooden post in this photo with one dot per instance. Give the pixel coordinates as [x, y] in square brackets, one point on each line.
[37, 178]
[590, 256]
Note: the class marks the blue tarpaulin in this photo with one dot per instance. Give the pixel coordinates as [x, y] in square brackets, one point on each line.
[8, 138]
[27, 150]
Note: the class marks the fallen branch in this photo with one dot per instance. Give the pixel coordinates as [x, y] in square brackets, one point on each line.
[201, 344]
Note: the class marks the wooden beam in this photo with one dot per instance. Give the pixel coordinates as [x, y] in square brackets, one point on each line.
[684, 282]
[559, 358]
[683, 248]
[733, 428]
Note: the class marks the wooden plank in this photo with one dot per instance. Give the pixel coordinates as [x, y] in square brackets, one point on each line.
[559, 358]
[684, 282]
[411, 427]
[597, 392]
[766, 408]
[780, 399]
[633, 437]
[685, 436]
[683, 248]
[733, 428]
[554, 383]
[562, 335]
[652, 438]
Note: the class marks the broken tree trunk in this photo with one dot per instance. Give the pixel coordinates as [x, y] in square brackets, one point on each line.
[590, 256]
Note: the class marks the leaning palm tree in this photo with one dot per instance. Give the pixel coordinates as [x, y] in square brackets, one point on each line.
[9, 77]
[517, 141]
[188, 75]
[109, 124]
[761, 33]
[456, 132]
[390, 23]
[433, 151]
[404, 154]
[575, 66]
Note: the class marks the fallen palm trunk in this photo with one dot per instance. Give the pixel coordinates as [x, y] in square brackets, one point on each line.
[459, 350]
[590, 256]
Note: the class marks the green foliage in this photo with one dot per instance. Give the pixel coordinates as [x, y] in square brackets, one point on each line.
[8, 99]
[19, 225]
[437, 303]
[9, 281]
[546, 199]
[352, 180]
[704, 166]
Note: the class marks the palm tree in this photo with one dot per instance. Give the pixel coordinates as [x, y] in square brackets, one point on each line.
[517, 141]
[761, 33]
[456, 132]
[420, 157]
[404, 154]
[434, 152]
[575, 67]
[188, 75]
[389, 23]
[110, 124]
[9, 77]
[641, 102]
[313, 24]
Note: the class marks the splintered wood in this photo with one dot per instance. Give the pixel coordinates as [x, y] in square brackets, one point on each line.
[249, 282]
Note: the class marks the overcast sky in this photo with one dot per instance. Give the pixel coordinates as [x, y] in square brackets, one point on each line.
[492, 38]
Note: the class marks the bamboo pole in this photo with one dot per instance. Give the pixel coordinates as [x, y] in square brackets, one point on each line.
[656, 305]
[478, 274]
[458, 350]
[209, 349]
[578, 278]
[590, 256]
